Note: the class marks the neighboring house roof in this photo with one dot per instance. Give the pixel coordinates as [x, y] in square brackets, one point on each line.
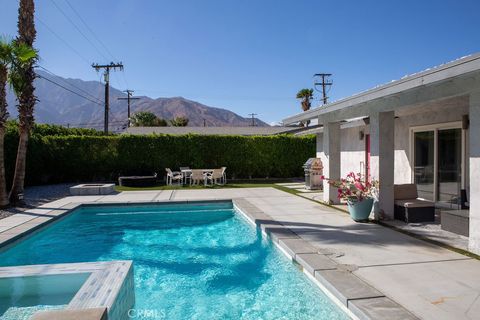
[243, 131]
[459, 67]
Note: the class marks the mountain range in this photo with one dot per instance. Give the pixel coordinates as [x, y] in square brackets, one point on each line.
[58, 105]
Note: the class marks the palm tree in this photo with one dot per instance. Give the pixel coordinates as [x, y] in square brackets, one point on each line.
[13, 57]
[306, 95]
[25, 95]
[4, 62]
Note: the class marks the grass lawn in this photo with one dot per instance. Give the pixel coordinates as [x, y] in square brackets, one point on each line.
[227, 186]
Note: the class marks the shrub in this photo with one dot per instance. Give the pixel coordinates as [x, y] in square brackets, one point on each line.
[72, 158]
[52, 130]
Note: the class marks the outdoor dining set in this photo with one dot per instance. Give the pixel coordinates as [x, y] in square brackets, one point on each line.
[187, 176]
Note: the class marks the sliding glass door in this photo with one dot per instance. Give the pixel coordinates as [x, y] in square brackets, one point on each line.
[438, 164]
[424, 164]
[449, 165]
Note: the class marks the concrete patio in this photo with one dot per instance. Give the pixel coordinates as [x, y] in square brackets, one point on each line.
[367, 267]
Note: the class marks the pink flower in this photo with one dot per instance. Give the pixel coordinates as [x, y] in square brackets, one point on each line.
[359, 186]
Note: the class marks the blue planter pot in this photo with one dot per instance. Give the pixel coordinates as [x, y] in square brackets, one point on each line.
[360, 210]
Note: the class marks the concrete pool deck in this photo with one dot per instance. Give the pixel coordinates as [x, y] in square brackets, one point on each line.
[376, 272]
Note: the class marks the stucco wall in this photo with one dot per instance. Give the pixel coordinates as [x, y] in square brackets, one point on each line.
[353, 149]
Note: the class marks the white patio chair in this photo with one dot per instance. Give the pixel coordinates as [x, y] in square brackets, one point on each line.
[224, 175]
[173, 176]
[197, 176]
[216, 177]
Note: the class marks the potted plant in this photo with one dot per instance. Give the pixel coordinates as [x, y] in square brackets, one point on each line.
[358, 193]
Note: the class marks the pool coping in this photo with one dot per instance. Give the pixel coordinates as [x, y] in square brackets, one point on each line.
[355, 296]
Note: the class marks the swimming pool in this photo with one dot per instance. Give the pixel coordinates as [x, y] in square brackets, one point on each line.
[192, 261]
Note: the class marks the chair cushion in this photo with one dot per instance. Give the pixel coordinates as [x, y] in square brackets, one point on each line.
[405, 191]
[414, 203]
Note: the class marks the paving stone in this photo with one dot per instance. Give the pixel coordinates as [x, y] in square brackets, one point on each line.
[346, 286]
[70, 206]
[296, 246]
[313, 261]
[24, 228]
[85, 314]
[277, 232]
[268, 224]
[57, 213]
[16, 219]
[6, 238]
[250, 210]
[379, 308]
[243, 203]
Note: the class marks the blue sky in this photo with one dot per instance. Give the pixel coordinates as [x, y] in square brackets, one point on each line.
[251, 55]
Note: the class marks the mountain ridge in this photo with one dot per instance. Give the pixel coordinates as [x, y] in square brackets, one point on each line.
[57, 105]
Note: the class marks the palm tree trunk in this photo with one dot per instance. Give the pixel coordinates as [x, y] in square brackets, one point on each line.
[3, 118]
[20, 165]
[3, 186]
[26, 99]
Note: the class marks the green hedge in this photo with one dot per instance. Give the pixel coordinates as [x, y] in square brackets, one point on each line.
[53, 159]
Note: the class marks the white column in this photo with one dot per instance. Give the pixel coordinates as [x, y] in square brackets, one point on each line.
[319, 145]
[474, 162]
[330, 156]
[382, 160]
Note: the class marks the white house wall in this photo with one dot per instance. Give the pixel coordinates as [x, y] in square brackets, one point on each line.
[353, 149]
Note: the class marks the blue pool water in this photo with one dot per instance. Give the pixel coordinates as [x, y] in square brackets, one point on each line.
[20, 297]
[195, 261]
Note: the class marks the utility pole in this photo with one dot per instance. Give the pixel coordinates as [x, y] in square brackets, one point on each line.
[324, 82]
[106, 76]
[253, 118]
[128, 98]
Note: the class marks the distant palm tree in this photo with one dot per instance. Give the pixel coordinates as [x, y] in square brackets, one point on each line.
[25, 94]
[306, 95]
[13, 56]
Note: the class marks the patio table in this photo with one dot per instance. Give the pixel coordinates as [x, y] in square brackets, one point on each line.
[184, 173]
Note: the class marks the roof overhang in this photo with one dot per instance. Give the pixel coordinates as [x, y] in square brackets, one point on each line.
[467, 69]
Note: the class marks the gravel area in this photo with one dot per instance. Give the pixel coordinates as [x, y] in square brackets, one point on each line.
[38, 195]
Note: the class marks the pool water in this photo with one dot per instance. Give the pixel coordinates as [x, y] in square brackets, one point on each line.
[20, 297]
[191, 261]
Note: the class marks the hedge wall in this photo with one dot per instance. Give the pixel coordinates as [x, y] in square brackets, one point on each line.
[53, 159]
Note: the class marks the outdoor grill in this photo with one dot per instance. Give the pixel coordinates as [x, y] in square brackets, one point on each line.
[313, 174]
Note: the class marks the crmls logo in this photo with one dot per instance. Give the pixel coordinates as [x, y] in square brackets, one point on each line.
[146, 313]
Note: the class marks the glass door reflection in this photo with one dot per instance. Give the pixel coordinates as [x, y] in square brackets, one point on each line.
[424, 144]
[449, 166]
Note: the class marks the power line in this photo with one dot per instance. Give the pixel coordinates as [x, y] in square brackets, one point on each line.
[77, 28]
[98, 39]
[69, 90]
[61, 39]
[72, 85]
[90, 29]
